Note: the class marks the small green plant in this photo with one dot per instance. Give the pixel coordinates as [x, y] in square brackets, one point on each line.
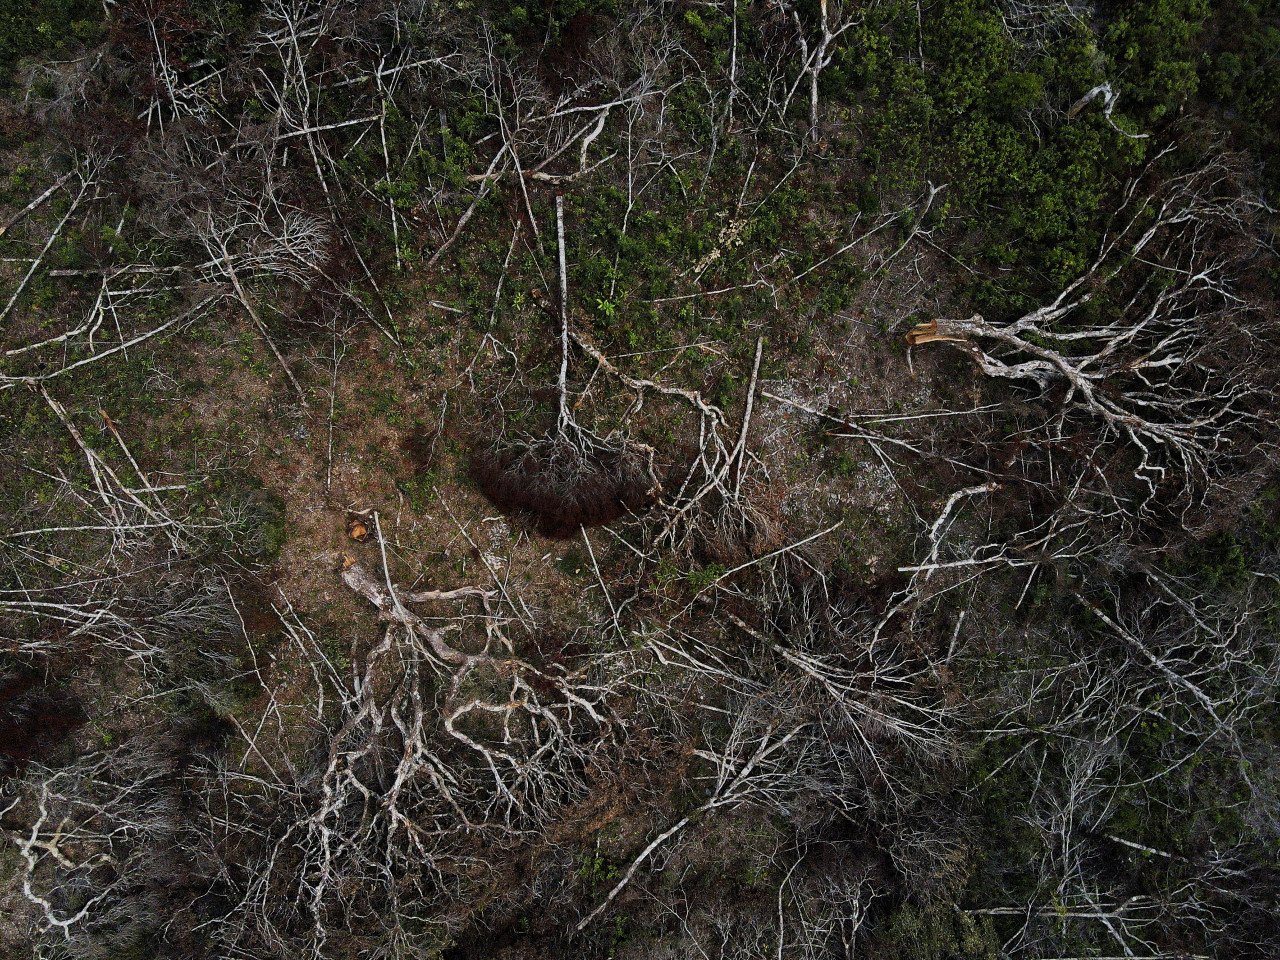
[666, 571]
[574, 562]
[607, 308]
[707, 576]
[595, 869]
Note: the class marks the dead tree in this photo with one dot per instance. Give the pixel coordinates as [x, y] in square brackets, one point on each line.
[821, 725]
[408, 792]
[1036, 23]
[1151, 344]
[106, 592]
[293, 248]
[815, 58]
[101, 858]
[1163, 656]
[571, 477]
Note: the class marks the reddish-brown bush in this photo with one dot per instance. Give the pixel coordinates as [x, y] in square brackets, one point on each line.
[33, 719]
[561, 485]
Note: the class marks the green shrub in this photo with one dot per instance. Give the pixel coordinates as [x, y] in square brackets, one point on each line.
[44, 30]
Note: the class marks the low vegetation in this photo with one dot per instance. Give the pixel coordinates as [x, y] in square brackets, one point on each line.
[667, 479]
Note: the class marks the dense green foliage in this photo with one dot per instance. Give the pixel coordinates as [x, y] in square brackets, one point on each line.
[45, 30]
